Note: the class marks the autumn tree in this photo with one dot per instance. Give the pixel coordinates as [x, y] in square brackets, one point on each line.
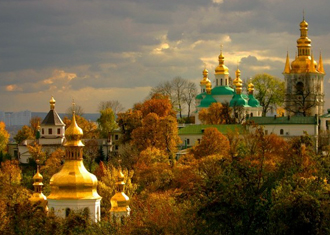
[212, 142]
[127, 122]
[216, 114]
[269, 91]
[158, 104]
[181, 93]
[89, 128]
[34, 124]
[25, 133]
[115, 105]
[106, 122]
[36, 152]
[79, 110]
[10, 173]
[4, 136]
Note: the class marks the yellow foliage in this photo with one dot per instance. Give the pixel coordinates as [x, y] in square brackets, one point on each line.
[4, 136]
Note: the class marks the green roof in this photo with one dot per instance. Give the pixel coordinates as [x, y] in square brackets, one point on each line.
[283, 120]
[222, 90]
[197, 129]
[253, 102]
[207, 101]
[238, 101]
[200, 96]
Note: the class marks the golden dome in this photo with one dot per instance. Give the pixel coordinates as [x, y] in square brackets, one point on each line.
[52, 103]
[73, 181]
[221, 68]
[205, 77]
[237, 80]
[208, 87]
[119, 202]
[250, 88]
[73, 133]
[303, 24]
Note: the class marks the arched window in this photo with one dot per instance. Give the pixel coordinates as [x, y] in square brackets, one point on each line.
[221, 82]
[281, 132]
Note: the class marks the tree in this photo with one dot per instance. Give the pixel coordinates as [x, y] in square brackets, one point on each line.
[302, 102]
[4, 136]
[191, 92]
[106, 122]
[89, 128]
[10, 173]
[127, 122]
[269, 91]
[37, 153]
[213, 142]
[113, 104]
[25, 133]
[91, 152]
[158, 104]
[34, 124]
[77, 108]
[179, 91]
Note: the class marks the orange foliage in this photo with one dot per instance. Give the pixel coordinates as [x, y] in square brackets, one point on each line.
[213, 142]
[215, 114]
[158, 104]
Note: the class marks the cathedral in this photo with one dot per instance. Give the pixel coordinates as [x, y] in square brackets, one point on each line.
[227, 93]
[304, 95]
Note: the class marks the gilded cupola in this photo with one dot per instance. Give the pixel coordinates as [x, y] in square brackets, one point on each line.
[52, 103]
[250, 88]
[238, 81]
[120, 201]
[205, 80]
[38, 196]
[221, 68]
[73, 181]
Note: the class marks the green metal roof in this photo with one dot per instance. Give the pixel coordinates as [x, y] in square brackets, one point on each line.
[253, 102]
[200, 96]
[197, 129]
[238, 101]
[222, 90]
[207, 101]
[283, 120]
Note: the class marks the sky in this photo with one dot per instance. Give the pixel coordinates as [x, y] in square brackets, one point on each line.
[100, 50]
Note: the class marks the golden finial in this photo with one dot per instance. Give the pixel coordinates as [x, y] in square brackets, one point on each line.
[303, 14]
[73, 133]
[250, 87]
[208, 87]
[52, 103]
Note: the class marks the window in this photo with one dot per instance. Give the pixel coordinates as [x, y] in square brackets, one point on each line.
[198, 141]
[58, 131]
[300, 88]
[221, 82]
[188, 141]
[67, 212]
[43, 131]
[116, 137]
[226, 82]
[281, 132]
[50, 131]
[116, 147]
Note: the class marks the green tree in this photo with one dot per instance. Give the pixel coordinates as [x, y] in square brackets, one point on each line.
[106, 122]
[270, 91]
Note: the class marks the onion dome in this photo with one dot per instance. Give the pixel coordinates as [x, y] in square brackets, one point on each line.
[208, 87]
[73, 181]
[120, 201]
[238, 82]
[238, 101]
[205, 78]
[199, 96]
[207, 101]
[52, 103]
[38, 196]
[221, 68]
[250, 88]
[252, 101]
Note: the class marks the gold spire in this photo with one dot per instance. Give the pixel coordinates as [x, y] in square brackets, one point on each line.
[38, 196]
[222, 68]
[73, 181]
[238, 81]
[287, 64]
[250, 87]
[320, 68]
[120, 201]
[312, 66]
[205, 77]
[52, 103]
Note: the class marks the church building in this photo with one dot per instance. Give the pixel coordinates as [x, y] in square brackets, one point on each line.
[227, 93]
[304, 94]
